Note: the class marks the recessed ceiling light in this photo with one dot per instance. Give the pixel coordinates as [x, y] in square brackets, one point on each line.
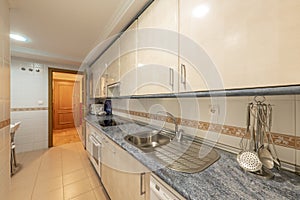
[200, 11]
[18, 37]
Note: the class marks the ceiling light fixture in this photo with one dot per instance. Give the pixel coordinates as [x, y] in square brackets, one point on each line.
[200, 11]
[18, 37]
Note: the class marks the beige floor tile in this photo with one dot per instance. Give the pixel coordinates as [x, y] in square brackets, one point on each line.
[50, 165]
[28, 174]
[53, 153]
[22, 193]
[59, 173]
[47, 185]
[89, 169]
[71, 168]
[100, 194]
[50, 173]
[77, 188]
[52, 195]
[22, 183]
[86, 196]
[74, 176]
[30, 157]
[95, 181]
[71, 159]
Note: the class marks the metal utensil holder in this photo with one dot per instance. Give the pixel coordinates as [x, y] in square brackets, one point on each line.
[258, 132]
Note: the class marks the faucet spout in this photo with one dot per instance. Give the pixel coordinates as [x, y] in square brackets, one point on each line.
[178, 133]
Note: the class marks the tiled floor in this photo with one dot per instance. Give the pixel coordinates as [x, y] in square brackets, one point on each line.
[58, 173]
[65, 136]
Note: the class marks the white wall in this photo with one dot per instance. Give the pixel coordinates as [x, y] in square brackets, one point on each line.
[4, 101]
[30, 90]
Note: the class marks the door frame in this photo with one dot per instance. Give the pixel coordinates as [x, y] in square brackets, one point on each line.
[50, 99]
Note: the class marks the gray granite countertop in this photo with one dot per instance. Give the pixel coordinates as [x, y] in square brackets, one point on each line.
[224, 179]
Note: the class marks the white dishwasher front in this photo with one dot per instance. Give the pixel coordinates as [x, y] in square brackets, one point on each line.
[160, 192]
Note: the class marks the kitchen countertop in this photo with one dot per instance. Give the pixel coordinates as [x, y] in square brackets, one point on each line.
[223, 179]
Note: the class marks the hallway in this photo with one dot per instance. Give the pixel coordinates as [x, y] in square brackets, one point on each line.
[58, 173]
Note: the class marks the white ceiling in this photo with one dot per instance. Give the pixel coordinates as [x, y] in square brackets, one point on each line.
[65, 31]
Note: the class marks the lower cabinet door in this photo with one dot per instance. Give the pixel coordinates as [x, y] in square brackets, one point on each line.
[125, 185]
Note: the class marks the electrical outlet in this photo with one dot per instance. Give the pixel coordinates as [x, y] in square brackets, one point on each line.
[214, 109]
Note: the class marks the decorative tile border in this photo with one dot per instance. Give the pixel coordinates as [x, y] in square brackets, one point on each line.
[28, 109]
[278, 138]
[4, 123]
[297, 143]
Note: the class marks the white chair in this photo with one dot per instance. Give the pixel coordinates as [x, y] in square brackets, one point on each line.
[14, 167]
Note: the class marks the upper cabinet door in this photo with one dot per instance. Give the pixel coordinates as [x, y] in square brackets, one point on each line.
[157, 43]
[112, 64]
[239, 43]
[201, 45]
[128, 61]
[98, 82]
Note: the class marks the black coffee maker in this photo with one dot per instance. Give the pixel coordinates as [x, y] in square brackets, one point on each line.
[108, 107]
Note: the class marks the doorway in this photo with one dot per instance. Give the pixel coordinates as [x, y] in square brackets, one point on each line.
[65, 106]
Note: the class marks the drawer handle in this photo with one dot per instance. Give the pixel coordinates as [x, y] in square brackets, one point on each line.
[142, 180]
[171, 75]
[183, 74]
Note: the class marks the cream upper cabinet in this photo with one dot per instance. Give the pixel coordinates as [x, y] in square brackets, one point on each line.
[128, 60]
[157, 43]
[106, 70]
[98, 82]
[239, 43]
[112, 57]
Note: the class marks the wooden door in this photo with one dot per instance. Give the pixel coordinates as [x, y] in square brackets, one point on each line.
[62, 104]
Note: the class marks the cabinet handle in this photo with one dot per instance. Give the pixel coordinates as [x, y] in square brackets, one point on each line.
[142, 180]
[183, 74]
[171, 75]
[93, 140]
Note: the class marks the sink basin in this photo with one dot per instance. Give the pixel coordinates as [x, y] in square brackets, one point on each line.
[147, 141]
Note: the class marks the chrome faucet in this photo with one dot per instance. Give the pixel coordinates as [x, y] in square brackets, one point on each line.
[178, 133]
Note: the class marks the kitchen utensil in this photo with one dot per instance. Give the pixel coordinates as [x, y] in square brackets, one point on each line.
[264, 153]
[265, 157]
[275, 158]
[258, 127]
[270, 138]
[248, 159]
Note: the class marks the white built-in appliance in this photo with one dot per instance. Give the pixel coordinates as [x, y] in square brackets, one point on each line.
[93, 146]
[158, 191]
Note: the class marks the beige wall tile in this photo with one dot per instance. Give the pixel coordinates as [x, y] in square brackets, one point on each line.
[4, 100]
[2, 104]
[236, 108]
[298, 157]
[283, 114]
[286, 154]
[298, 118]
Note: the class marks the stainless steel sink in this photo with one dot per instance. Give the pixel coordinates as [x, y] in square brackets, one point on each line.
[184, 156]
[147, 141]
[188, 157]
